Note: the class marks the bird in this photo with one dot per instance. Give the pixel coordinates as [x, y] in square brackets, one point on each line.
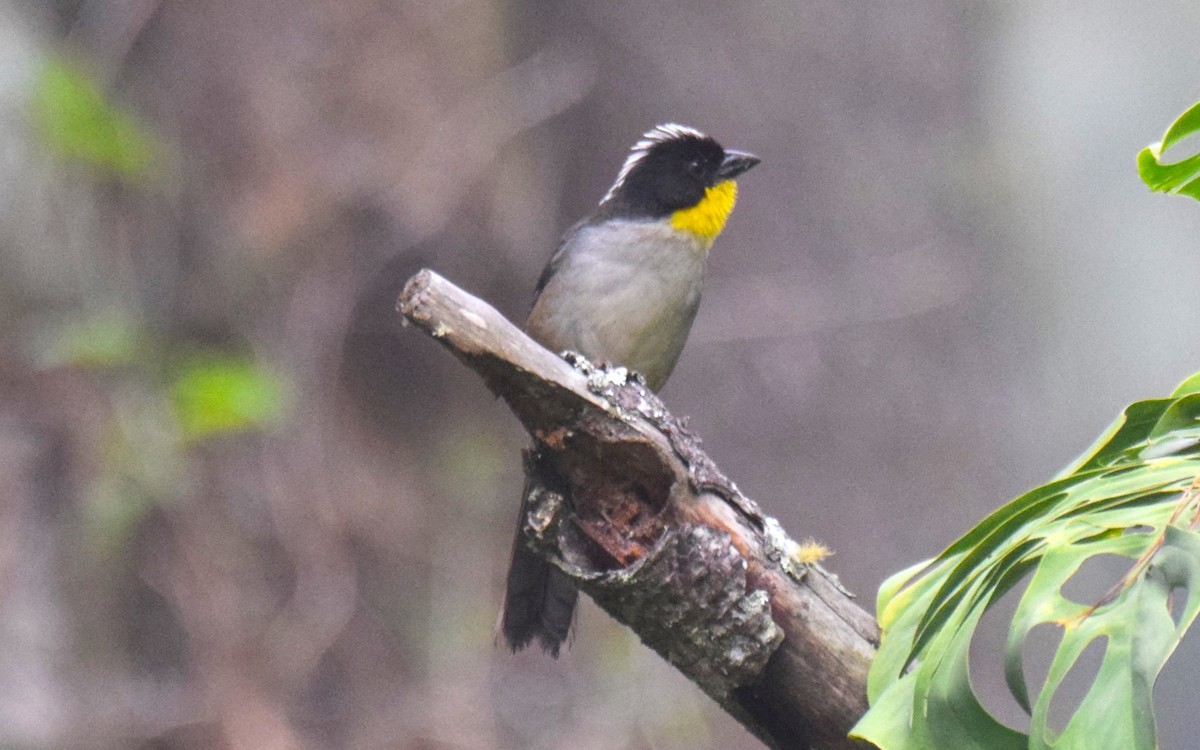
[623, 287]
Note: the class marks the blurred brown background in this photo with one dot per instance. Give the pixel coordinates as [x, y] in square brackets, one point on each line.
[225, 524]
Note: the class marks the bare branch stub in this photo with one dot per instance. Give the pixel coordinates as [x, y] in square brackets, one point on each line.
[625, 501]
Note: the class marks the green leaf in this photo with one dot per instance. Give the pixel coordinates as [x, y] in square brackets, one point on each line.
[106, 339]
[1191, 385]
[1134, 494]
[75, 120]
[140, 463]
[1128, 430]
[1182, 177]
[217, 394]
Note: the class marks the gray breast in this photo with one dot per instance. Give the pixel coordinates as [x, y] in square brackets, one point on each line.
[625, 292]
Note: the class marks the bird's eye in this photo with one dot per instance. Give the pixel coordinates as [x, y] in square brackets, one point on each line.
[696, 167]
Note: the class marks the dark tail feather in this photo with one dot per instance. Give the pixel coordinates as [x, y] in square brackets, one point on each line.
[539, 601]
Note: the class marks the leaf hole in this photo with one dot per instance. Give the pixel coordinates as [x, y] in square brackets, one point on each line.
[1175, 694]
[1036, 654]
[1139, 529]
[1075, 686]
[987, 661]
[1177, 602]
[1096, 578]
[1185, 149]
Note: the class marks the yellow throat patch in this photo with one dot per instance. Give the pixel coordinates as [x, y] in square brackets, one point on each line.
[707, 218]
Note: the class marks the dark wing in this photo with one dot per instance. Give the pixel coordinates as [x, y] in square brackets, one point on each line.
[539, 599]
[555, 259]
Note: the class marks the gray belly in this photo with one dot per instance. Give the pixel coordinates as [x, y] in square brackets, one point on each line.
[626, 294]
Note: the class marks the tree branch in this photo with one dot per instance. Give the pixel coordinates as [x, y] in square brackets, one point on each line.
[623, 499]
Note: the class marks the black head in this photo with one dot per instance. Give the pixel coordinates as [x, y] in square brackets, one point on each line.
[669, 169]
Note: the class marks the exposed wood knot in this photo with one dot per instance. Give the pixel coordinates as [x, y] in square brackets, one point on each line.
[692, 605]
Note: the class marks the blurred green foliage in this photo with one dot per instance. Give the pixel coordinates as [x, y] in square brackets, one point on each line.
[211, 392]
[159, 402]
[76, 121]
[110, 338]
[216, 393]
[142, 465]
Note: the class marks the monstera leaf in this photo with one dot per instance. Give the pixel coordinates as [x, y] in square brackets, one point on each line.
[1134, 494]
[1181, 177]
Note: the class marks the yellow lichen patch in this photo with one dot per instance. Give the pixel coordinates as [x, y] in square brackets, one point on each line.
[707, 218]
[810, 552]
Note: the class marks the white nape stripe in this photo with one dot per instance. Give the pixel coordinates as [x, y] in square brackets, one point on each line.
[658, 134]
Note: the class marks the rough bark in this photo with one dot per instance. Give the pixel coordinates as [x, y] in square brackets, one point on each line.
[623, 499]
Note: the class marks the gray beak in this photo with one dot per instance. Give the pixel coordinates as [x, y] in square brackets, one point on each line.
[734, 163]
